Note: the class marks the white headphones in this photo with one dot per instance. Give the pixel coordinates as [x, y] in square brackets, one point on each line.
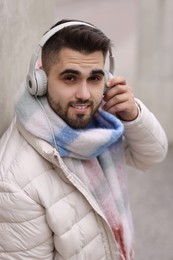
[36, 78]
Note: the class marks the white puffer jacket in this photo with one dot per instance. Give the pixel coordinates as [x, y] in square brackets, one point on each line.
[45, 210]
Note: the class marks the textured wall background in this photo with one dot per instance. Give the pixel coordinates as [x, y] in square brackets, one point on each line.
[21, 25]
[142, 33]
[154, 75]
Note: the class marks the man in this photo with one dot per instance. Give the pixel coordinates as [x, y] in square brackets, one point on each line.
[63, 191]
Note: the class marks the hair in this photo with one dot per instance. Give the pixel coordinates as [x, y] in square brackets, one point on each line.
[82, 38]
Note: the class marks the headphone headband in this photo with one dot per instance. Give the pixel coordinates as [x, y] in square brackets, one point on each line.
[33, 78]
[59, 27]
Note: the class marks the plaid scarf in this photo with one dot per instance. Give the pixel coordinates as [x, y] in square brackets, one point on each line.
[95, 154]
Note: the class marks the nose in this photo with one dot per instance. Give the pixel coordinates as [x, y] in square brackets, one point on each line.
[83, 91]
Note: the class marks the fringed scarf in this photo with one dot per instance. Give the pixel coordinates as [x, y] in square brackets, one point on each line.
[95, 154]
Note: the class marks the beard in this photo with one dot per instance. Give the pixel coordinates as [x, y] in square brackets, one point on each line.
[74, 120]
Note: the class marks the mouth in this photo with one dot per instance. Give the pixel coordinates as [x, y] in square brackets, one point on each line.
[80, 107]
[76, 106]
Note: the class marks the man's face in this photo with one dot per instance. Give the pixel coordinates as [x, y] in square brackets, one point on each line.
[76, 85]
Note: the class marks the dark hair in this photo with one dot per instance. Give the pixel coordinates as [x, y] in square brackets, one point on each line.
[80, 38]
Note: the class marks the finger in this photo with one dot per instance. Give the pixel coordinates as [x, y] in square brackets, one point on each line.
[115, 81]
[116, 90]
[115, 100]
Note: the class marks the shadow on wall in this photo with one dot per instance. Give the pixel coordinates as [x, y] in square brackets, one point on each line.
[21, 25]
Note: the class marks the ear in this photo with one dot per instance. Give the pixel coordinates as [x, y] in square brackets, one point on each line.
[39, 64]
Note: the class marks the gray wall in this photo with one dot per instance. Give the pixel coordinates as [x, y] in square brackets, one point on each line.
[22, 22]
[154, 77]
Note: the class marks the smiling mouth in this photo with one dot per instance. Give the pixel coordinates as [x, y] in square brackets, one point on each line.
[80, 106]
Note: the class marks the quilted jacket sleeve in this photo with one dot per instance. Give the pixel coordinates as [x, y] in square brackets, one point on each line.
[24, 233]
[145, 140]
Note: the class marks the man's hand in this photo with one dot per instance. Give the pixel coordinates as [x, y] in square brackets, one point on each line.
[119, 99]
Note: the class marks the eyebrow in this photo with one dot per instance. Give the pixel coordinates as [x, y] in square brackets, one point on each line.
[97, 71]
[77, 72]
[70, 71]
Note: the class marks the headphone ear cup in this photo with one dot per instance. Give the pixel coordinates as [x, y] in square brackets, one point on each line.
[41, 81]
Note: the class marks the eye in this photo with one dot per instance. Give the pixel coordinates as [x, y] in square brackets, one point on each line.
[70, 78]
[95, 78]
